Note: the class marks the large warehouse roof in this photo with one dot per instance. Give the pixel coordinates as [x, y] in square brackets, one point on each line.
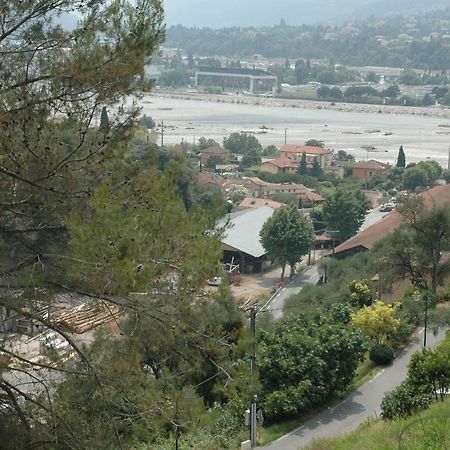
[242, 230]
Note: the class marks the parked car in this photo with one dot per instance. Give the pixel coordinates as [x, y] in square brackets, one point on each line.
[387, 207]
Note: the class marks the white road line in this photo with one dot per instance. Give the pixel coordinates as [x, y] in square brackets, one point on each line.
[376, 376]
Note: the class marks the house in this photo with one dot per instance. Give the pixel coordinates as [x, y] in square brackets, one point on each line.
[295, 152]
[254, 202]
[208, 179]
[305, 197]
[365, 240]
[280, 165]
[240, 240]
[222, 154]
[365, 170]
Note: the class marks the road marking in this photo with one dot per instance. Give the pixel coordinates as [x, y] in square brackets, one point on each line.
[376, 376]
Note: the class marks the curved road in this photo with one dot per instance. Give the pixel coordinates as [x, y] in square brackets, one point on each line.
[362, 404]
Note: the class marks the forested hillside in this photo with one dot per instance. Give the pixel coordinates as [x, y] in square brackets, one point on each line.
[421, 41]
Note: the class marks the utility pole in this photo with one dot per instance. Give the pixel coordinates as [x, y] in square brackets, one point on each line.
[253, 370]
[448, 164]
[285, 136]
[162, 133]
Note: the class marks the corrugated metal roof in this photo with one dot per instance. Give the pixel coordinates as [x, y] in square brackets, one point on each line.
[243, 228]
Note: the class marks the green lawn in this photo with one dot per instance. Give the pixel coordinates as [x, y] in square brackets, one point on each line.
[428, 430]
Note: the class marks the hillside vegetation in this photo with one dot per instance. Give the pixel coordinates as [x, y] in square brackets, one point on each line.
[427, 430]
[413, 42]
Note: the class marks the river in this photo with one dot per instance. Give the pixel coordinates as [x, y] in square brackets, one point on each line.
[422, 137]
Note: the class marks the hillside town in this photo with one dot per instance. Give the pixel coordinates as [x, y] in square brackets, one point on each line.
[207, 245]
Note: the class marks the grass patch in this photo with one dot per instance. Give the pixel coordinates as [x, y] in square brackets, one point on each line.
[428, 430]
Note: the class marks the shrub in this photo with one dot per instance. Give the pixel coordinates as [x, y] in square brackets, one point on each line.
[403, 401]
[381, 354]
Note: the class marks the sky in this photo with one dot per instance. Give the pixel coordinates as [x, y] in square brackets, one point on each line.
[220, 13]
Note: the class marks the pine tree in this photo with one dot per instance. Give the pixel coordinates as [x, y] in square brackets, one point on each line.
[401, 159]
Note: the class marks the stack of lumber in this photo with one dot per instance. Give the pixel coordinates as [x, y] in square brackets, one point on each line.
[87, 316]
[249, 304]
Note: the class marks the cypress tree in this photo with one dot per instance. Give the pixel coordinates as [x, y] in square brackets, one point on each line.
[303, 169]
[401, 159]
[104, 119]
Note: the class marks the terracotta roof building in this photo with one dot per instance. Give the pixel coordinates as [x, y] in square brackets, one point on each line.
[280, 165]
[365, 240]
[295, 152]
[365, 170]
[222, 153]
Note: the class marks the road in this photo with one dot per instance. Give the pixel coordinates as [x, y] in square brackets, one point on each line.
[294, 286]
[363, 403]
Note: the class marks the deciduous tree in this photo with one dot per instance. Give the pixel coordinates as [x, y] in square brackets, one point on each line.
[287, 236]
[345, 211]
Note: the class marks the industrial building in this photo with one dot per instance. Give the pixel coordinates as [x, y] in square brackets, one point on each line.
[234, 79]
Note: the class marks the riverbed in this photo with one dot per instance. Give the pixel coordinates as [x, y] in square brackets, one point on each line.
[367, 134]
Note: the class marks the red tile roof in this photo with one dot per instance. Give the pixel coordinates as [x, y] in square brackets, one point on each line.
[371, 165]
[257, 181]
[435, 197]
[292, 148]
[282, 163]
[252, 202]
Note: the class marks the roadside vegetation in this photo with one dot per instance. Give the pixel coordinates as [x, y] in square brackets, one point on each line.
[425, 430]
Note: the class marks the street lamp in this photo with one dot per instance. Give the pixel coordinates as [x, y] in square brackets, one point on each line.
[417, 297]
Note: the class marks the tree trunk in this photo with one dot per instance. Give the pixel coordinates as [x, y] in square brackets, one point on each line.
[292, 269]
[283, 267]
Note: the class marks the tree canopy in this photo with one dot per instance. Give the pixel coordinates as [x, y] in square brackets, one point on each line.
[345, 210]
[287, 236]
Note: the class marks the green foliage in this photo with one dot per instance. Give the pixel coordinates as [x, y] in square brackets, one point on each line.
[175, 77]
[104, 119]
[270, 150]
[204, 143]
[315, 143]
[391, 92]
[148, 122]
[403, 401]
[303, 362]
[214, 160]
[360, 293]
[401, 158]
[316, 169]
[303, 167]
[381, 354]
[359, 48]
[287, 236]
[345, 211]
[242, 143]
[424, 430]
[428, 377]
[379, 323]
[343, 156]
[250, 159]
[415, 252]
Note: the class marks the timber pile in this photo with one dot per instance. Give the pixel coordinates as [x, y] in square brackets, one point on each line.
[249, 304]
[87, 316]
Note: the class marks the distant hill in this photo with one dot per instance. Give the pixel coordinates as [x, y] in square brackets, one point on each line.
[421, 41]
[216, 13]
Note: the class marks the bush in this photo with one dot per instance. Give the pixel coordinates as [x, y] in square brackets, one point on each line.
[381, 354]
[403, 401]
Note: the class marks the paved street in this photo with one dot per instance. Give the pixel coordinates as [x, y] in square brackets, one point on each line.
[294, 286]
[365, 402]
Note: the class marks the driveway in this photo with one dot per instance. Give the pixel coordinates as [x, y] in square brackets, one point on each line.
[362, 404]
